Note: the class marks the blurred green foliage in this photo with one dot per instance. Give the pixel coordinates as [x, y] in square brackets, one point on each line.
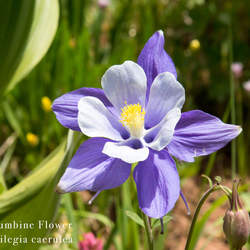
[23, 23]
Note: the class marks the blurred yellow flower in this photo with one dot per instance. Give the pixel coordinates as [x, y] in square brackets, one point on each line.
[46, 104]
[72, 42]
[194, 45]
[32, 139]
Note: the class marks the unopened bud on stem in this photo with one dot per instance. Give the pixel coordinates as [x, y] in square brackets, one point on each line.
[236, 221]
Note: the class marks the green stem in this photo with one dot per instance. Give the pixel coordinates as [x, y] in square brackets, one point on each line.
[149, 232]
[197, 211]
[232, 97]
[233, 248]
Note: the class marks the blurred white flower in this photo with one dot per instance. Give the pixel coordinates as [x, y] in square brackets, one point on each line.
[246, 85]
[103, 3]
[237, 69]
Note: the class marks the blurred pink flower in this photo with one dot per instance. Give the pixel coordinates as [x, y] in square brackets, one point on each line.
[90, 242]
[103, 3]
[246, 85]
[237, 68]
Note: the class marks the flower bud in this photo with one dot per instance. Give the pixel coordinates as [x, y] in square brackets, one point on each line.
[236, 227]
[236, 224]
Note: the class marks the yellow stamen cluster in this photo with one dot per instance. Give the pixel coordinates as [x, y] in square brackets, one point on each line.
[132, 117]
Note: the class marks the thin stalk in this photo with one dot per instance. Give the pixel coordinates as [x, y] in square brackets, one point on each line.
[149, 232]
[232, 97]
[241, 161]
[196, 214]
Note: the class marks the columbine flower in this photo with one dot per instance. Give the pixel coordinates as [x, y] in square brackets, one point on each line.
[46, 103]
[237, 69]
[137, 118]
[32, 139]
[90, 242]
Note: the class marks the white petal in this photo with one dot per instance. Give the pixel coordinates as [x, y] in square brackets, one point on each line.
[95, 120]
[160, 136]
[125, 153]
[125, 83]
[165, 94]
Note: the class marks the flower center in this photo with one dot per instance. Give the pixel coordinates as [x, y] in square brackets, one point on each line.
[132, 117]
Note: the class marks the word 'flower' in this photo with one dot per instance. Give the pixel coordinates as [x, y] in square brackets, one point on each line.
[137, 118]
[90, 242]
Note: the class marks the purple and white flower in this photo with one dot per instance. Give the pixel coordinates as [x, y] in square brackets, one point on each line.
[137, 118]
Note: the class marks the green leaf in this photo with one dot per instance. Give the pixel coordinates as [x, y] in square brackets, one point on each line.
[34, 199]
[62, 247]
[12, 119]
[100, 217]
[2, 184]
[10, 144]
[157, 223]
[246, 200]
[9, 152]
[135, 217]
[26, 32]
[67, 201]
